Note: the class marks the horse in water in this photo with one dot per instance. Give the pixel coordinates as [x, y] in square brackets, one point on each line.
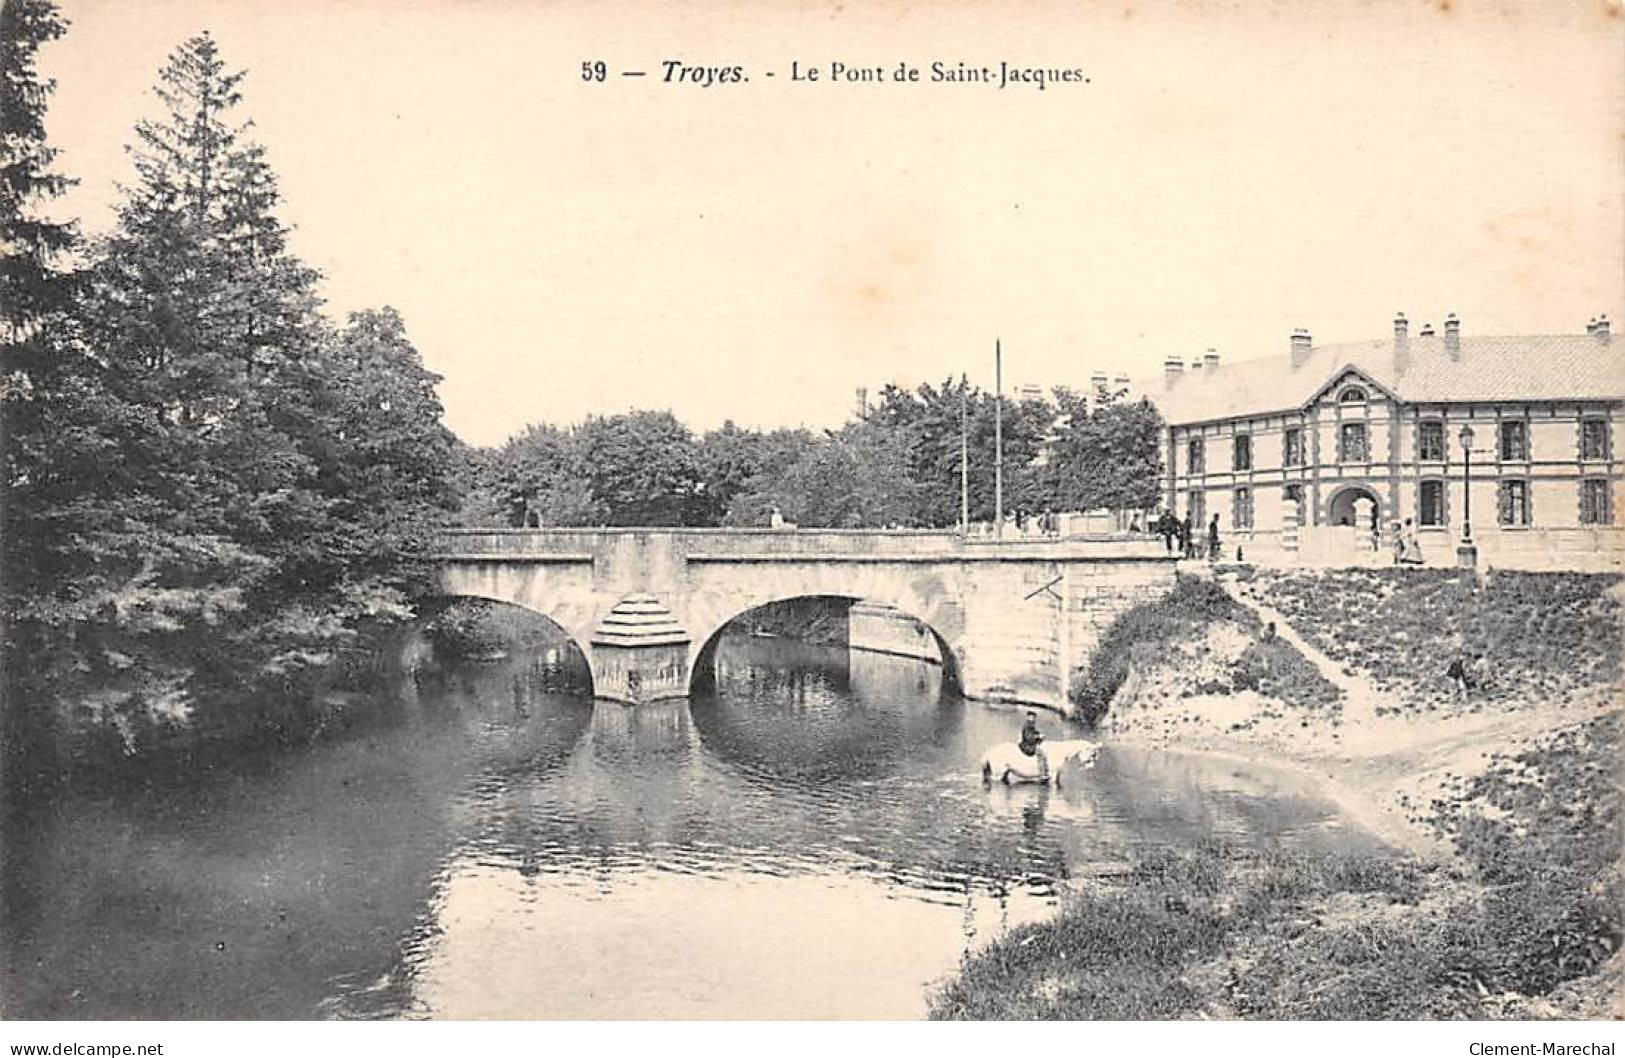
[1008, 764]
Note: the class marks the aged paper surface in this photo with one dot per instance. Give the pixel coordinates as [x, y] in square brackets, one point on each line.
[765, 214]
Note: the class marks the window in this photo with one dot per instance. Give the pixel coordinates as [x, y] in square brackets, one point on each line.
[1430, 505]
[1194, 456]
[1244, 452]
[1197, 510]
[1351, 443]
[1292, 447]
[1430, 441]
[1514, 440]
[1595, 505]
[1241, 509]
[1512, 503]
[1593, 438]
[1351, 395]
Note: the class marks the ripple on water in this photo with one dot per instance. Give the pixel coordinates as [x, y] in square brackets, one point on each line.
[782, 848]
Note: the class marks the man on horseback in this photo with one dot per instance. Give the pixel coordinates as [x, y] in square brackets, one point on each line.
[1030, 735]
[1030, 738]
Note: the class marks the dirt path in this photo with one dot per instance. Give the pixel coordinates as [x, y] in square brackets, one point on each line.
[1384, 769]
[1361, 698]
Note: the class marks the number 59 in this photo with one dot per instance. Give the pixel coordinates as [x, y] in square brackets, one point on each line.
[594, 71]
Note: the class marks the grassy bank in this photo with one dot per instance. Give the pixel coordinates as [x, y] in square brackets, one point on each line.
[1510, 907]
[1524, 926]
[1215, 645]
[1544, 637]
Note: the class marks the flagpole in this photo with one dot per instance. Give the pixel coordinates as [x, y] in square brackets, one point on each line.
[998, 441]
[964, 459]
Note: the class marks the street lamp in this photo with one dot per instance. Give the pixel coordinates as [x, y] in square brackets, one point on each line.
[1466, 551]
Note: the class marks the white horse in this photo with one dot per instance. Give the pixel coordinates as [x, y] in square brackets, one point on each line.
[1008, 764]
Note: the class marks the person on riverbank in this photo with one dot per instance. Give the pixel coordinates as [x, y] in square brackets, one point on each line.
[1185, 536]
[1213, 539]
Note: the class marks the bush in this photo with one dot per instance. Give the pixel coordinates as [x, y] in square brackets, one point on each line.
[1275, 668]
[1141, 632]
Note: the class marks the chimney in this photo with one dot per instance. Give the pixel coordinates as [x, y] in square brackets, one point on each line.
[1402, 343]
[1426, 331]
[862, 409]
[1120, 384]
[1098, 381]
[1452, 335]
[1601, 332]
[1301, 345]
[1172, 368]
[1210, 361]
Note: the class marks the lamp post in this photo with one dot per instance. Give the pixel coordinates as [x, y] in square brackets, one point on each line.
[1466, 551]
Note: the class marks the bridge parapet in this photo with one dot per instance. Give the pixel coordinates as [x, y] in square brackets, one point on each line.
[748, 545]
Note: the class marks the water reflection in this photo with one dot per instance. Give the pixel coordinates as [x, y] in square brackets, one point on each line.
[811, 839]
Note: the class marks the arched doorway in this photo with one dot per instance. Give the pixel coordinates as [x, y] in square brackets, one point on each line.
[1355, 505]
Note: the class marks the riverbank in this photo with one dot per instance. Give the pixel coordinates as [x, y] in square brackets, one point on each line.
[1503, 897]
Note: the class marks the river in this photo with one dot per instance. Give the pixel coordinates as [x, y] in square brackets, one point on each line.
[811, 839]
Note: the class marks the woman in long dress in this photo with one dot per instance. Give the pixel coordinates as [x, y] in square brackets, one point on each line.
[1410, 546]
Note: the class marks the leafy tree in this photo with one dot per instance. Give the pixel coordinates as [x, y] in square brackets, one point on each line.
[928, 422]
[641, 467]
[538, 478]
[1107, 455]
[735, 462]
[858, 477]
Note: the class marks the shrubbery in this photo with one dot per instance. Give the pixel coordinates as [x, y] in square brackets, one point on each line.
[1275, 668]
[475, 628]
[1142, 632]
[1141, 636]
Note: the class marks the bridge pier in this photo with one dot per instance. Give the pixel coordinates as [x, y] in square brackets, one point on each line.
[639, 653]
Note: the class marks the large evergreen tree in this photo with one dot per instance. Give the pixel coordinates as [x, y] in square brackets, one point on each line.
[38, 381]
[236, 495]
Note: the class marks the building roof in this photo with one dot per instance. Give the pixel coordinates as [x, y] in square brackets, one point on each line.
[1515, 368]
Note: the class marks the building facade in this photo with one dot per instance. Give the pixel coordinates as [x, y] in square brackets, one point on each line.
[1321, 456]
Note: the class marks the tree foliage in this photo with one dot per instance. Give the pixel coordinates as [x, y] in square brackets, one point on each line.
[900, 465]
[223, 495]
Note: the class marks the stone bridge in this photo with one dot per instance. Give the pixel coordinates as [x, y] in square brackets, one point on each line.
[645, 606]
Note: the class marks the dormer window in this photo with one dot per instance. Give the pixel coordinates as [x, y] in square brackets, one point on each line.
[1352, 395]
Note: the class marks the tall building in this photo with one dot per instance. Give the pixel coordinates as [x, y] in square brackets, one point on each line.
[1318, 456]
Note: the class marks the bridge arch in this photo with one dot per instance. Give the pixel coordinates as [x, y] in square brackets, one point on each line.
[433, 607]
[702, 668]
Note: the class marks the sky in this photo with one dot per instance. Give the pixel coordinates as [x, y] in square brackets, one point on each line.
[755, 251]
